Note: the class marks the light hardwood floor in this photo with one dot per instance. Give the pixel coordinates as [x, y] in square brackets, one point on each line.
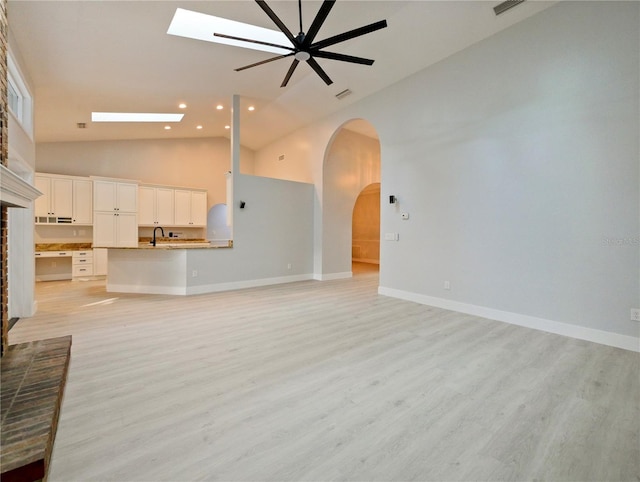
[328, 381]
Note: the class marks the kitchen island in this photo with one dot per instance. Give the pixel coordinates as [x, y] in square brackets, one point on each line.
[161, 269]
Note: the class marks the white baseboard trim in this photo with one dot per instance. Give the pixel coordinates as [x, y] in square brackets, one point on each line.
[238, 285]
[202, 289]
[146, 290]
[53, 277]
[617, 340]
[332, 276]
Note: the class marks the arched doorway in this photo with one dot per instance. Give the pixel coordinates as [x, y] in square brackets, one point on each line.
[352, 162]
[365, 230]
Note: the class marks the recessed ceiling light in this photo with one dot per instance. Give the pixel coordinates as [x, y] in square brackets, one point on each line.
[166, 128]
[187, 23]
[219, 107]
[198, 127]
[227, 127]
[252, 108]
[182, 106]
[134, 117]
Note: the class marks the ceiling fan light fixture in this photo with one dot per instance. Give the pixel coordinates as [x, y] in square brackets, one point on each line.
[302, 56]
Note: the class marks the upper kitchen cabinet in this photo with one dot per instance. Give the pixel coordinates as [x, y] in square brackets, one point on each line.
[82, 201]
[115, 196]
[156, 206]
[64, 200]
[56, 203]
[190, 208]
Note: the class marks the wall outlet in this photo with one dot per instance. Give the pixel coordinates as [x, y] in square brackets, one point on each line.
[635, 314]
[194, 273]
[288, 265]
[447, 285]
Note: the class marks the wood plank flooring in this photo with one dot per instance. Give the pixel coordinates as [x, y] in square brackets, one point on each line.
[327, 381]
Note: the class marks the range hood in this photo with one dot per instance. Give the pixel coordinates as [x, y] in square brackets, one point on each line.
[15, 192]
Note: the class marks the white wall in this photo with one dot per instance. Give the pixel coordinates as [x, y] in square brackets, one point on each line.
[273, 231]
[198, 162]
[518, 160]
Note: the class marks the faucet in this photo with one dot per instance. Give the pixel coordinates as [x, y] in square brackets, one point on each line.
[153, 242]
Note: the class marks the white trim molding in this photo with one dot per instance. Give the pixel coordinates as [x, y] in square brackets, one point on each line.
[617, 340]
[332, 276]
[238, 285]
[15, 191]
[202, 289]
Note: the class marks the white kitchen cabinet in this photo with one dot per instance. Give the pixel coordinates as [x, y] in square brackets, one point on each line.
[156, 206]
[190, 208]
[56, 201]
[115, 215]
[65, 199]
[82, 201]
[115, 229]
[82, 263]
[115, 196]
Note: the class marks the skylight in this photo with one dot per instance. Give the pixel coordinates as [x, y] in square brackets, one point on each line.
[200, 26]
[134, 117]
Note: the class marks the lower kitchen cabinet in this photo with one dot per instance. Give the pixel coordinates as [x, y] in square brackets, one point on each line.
[82, 263]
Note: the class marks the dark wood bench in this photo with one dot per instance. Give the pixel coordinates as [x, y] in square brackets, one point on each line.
[33, 380]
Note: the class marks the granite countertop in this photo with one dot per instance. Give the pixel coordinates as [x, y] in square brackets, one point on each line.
[62, 247]
[164, 239]
[172, 243]
[144, 243]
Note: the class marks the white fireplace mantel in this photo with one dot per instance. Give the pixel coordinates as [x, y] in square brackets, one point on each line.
[15, 191]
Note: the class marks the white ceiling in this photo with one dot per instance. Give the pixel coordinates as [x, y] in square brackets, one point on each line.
[84, 56]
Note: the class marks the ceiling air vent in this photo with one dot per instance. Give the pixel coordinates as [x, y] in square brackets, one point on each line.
[343, 94]
[504, 6]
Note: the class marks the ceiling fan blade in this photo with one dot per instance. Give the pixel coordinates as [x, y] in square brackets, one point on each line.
[263, 62]
[263, 5]
[321, 16]
[349, 35]
[323, 75]
[294, 64]
[260, 42]
[323, 54]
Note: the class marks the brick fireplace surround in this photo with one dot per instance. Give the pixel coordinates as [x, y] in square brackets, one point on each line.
[33, 375]
[4, 147]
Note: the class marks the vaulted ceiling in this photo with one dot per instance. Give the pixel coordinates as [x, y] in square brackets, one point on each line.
[84, 56]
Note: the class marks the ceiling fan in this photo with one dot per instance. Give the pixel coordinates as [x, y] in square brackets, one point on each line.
[303, 48]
